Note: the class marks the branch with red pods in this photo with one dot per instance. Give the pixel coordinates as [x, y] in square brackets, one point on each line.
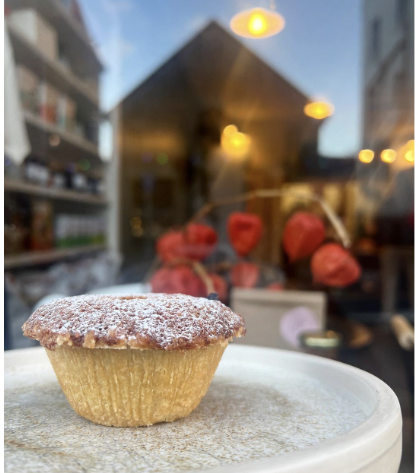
[183, 251]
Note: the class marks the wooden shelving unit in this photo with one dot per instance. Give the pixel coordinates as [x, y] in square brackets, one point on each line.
[70, 32]
[33, 258]
[77, 79]
[22, 187]
[70, 138]
[51, 71]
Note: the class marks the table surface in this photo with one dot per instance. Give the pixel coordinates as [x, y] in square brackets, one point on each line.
[266, 409]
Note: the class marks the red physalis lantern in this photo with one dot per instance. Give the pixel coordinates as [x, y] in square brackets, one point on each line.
[220, 286]
[334, 266]
[161, 281]
[245, 231]
[200, 241]
[170, 245]
[178, 280]
[195, 243]
[302, 235]
[245, 275]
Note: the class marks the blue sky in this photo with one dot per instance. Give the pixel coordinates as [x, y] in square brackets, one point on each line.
[319, 49]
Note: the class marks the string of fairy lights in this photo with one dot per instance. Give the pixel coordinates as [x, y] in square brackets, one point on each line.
[389, 156]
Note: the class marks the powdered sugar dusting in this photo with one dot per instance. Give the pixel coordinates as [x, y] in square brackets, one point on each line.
[160, 321]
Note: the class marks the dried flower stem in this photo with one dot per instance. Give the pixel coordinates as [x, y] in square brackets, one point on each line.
[200, 270]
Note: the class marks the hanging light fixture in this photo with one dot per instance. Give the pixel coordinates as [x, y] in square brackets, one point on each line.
[257, 23]
[318, 110]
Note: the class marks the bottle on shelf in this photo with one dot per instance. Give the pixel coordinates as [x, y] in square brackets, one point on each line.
[29, 88]
[17, 217]
[79, 230]
[48, 102]
[66, 112]
[41, 233]
[36, 171]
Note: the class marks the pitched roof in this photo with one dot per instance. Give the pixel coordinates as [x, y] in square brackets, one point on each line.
[217, 69]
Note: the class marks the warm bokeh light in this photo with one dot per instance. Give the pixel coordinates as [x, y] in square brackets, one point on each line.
[388, 155]
[136, 227]
[234, 142]
[318, 110]
[136, 222]
[410, 156]
[230, 130]
[257, 23]
[366, 156]
[410, 151]
[238, 140]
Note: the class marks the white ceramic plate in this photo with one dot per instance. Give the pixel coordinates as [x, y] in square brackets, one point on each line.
[267, 411]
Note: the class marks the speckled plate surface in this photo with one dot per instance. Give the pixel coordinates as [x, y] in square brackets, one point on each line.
[266, 410]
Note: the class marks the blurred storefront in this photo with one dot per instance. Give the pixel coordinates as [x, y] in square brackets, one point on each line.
[175, 153]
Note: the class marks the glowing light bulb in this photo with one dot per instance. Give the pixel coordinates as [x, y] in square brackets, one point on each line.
[410, 156]
[410, 151]
[257, 24]
[318, 110]
[366, 156]
[388, 155]
[235, 143]
[238, 140]
[230, 130]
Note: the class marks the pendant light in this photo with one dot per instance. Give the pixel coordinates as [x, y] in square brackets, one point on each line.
[318, 110]
[257, 23]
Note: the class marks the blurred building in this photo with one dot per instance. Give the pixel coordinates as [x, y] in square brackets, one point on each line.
[174, 155]
[388, 76]
[388, 119]
[386, 186]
